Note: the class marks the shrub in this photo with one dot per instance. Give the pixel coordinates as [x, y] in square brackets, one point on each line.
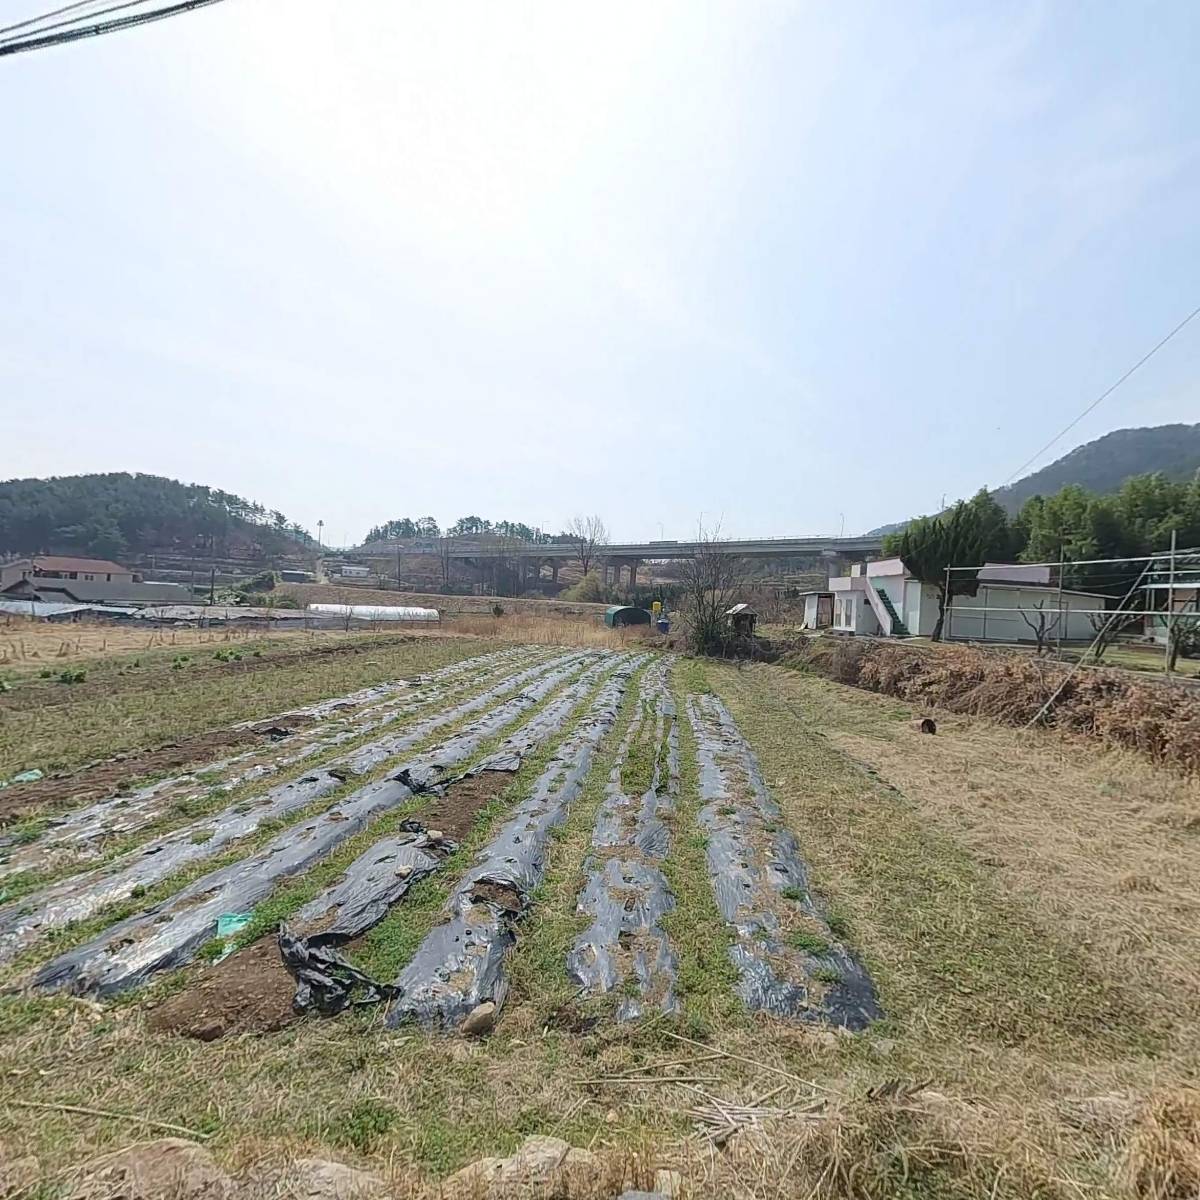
[589, 590]
[264, 581]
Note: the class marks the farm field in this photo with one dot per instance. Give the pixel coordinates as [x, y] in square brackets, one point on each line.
[406, 903]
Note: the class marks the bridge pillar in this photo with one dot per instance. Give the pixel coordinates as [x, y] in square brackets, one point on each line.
[633, 566]
[554, 570]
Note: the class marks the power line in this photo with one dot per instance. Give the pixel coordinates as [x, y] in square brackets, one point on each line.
[46, 16]
[70, 20]
[40, 42]
[1103, 395]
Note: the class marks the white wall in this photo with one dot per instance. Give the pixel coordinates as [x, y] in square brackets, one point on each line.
[1003, 621]
[1014, 573]
[852, 614]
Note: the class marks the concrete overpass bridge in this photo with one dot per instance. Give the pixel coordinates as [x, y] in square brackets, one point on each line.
[616, 557]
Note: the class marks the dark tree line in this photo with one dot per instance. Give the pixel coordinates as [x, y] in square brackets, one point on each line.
[117, 514]
[404, 528]
[1074, 524]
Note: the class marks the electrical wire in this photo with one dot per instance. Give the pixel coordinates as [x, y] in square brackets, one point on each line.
[46, 16]
[1103, 396]
[72, 20]
[38, 42]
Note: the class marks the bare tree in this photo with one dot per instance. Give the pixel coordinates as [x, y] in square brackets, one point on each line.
[710, 579]
[586, 534]
[1183, 638]
[1043, 628]
[1106, 629]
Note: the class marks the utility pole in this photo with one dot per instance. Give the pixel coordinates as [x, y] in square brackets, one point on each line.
[397, 568]
[320, 527]
[1170, 605]
[1058, 640]
[948, 609]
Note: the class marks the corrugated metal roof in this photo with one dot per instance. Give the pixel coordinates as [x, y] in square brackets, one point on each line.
[65, 562]
[56, 608]
[85, 590]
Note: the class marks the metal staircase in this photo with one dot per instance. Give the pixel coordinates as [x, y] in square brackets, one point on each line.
[898, 627]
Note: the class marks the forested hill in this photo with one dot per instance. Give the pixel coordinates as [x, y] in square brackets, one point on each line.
[118, 514]
[1103, 465]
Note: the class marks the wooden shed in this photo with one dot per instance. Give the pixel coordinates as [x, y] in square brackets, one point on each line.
[742, 619]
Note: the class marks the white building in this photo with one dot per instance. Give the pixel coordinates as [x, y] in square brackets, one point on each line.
[818, 610]
[883, 599]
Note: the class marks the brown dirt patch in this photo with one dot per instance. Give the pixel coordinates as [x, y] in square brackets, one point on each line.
[98, 780]
[250, 992]
[454, 814]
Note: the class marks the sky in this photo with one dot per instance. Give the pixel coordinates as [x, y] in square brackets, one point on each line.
[781, 268]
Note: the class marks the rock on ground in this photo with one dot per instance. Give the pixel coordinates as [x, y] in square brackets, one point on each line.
[166, 1169]
[316, 1179]
[539, 1161]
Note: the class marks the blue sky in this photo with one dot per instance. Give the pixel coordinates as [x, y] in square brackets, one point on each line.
[781, 266]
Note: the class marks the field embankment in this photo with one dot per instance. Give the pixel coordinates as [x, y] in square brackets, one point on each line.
[1161, 720]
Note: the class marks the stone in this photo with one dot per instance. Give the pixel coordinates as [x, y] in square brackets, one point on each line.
[669, 1183]
[541, 1156]
[539, 1162]
[168, 1167]
[480, 1019]
[317, 1179]
[643, 1196]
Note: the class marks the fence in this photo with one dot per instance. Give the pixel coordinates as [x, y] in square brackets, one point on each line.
[1090, 601]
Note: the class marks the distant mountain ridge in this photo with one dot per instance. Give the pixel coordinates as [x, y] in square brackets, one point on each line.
[1103, 465]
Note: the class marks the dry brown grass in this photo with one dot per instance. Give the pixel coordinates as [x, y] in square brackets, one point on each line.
[1104, 844]
[528, 629]
[1162, 721]
[27, 643]
[1162, 1159]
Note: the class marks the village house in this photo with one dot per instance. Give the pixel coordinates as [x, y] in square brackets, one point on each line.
[62, 579]
[882, 599]
[54, 566]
